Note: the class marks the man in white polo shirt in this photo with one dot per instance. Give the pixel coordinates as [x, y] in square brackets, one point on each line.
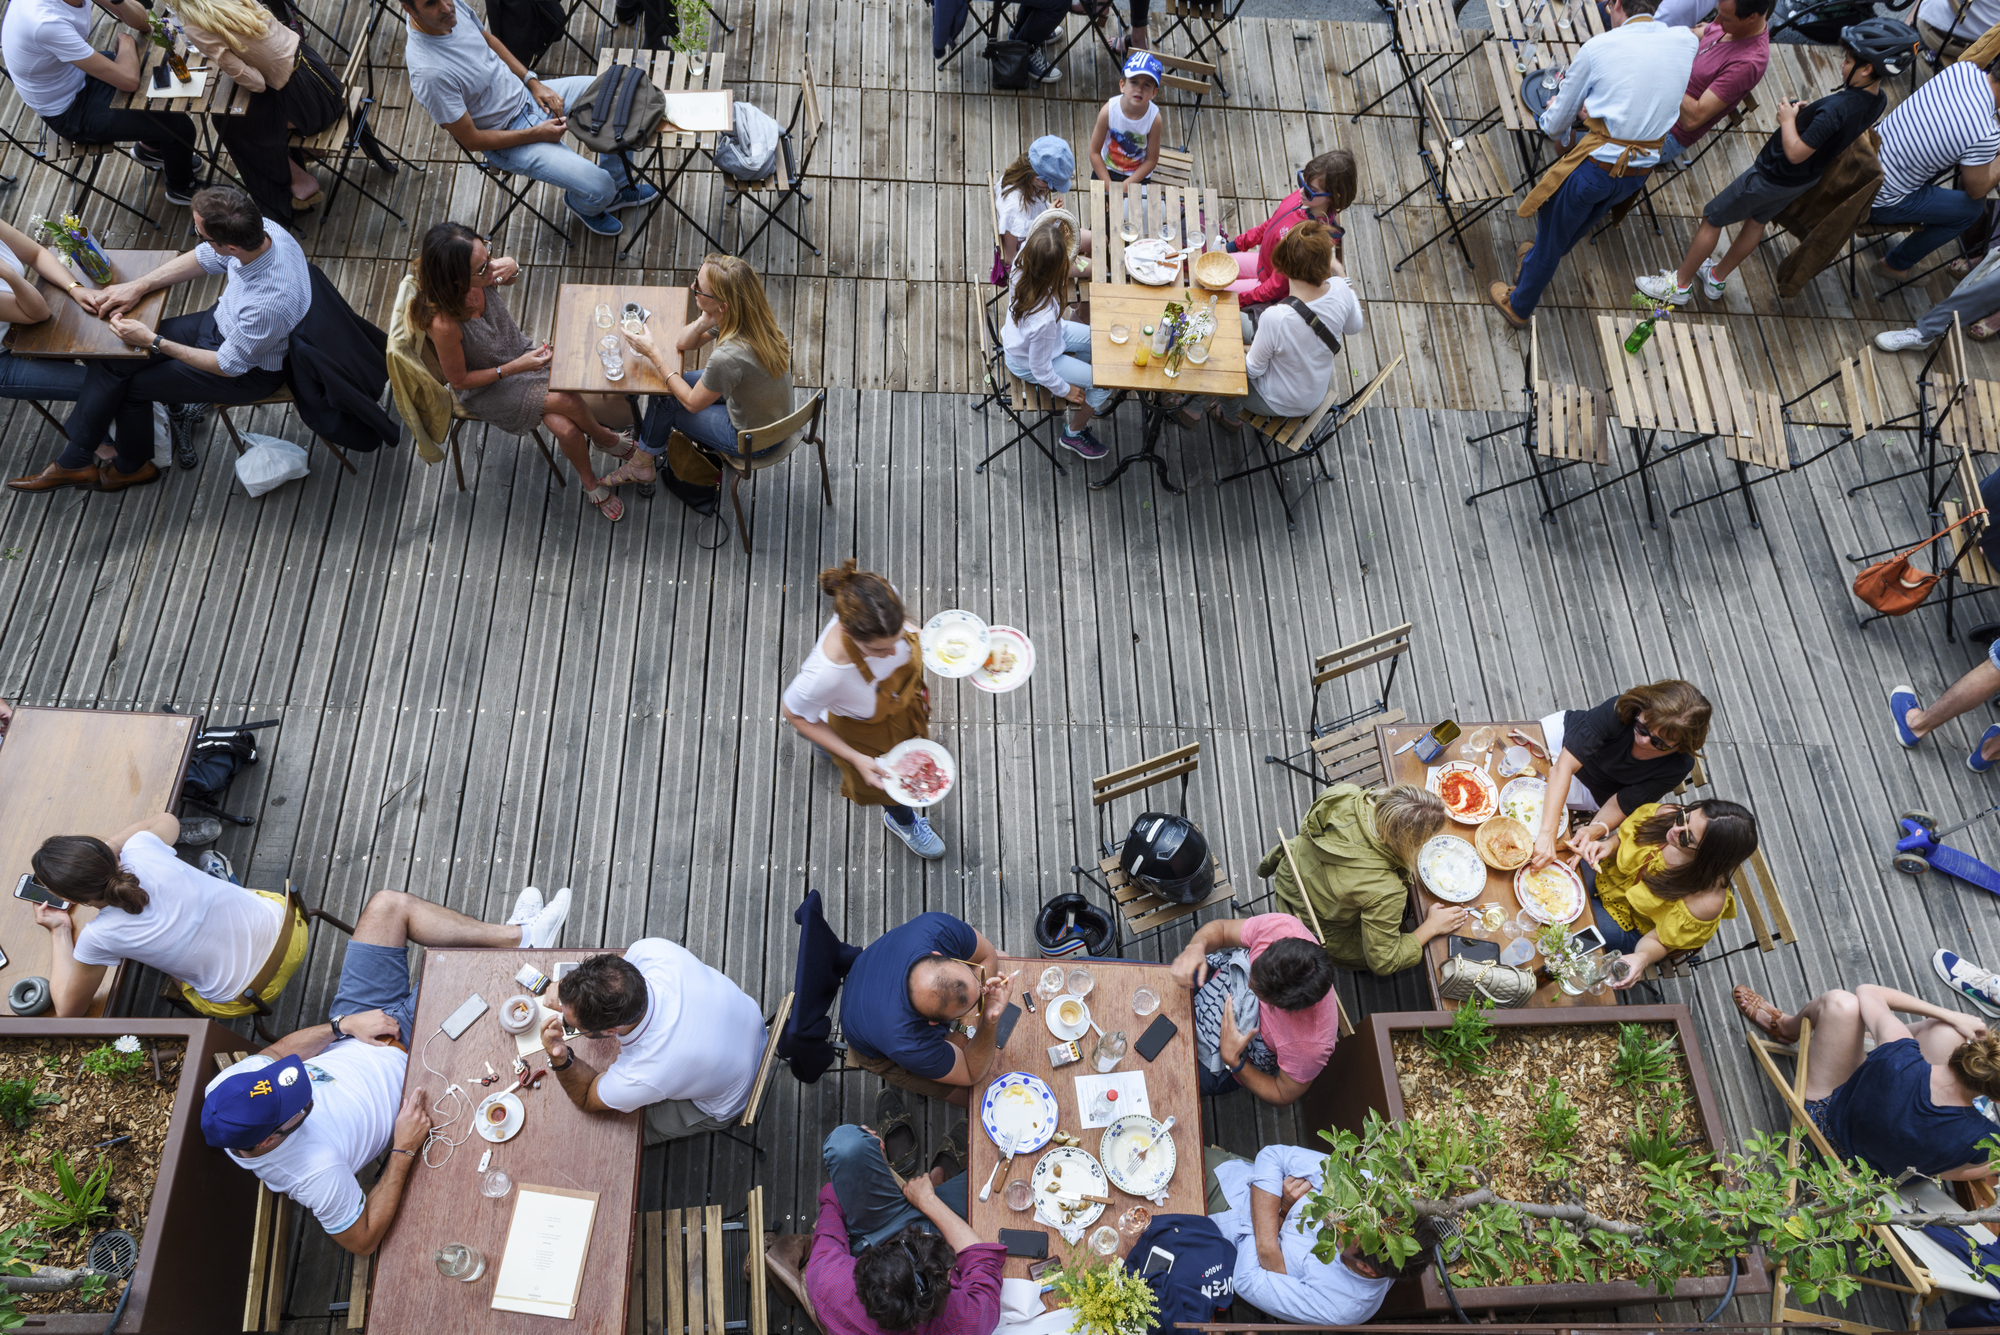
[689, 1040]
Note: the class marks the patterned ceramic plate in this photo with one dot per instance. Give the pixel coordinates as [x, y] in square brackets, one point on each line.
[1079, 1174]
[1019, 1105]
[1451, 868]
[1552, 894]
[1010, 660]
[913, 782]
[1522, 799]
[1467, 790]
[1119, 1152]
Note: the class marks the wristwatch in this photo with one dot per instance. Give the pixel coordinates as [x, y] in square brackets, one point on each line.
[333, 1020]
[529, 76]
[569, 1059]
[156, 348]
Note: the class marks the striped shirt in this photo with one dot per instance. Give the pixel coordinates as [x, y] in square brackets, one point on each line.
[263, 302]
[1948, 122]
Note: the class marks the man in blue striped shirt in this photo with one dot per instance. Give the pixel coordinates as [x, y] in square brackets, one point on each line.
[1947, 123]
[233, 352]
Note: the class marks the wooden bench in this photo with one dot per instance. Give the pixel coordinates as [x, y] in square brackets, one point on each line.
[680, 1271]
[788, 175]
[1144, 912]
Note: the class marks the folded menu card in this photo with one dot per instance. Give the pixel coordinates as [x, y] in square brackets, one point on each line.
[541, 1269]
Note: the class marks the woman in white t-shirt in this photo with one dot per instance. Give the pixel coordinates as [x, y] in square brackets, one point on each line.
[1290, 365]
[213, 937]
[861, 691]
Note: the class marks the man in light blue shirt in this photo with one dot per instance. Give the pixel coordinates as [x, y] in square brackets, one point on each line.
[1276, 1271]
[1629, 80]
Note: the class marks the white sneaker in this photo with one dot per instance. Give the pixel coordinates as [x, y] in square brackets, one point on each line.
[542, 930]
[1711, 287]
[525, 907]
[1901, 340]
[1980, 986]
[1662, 287]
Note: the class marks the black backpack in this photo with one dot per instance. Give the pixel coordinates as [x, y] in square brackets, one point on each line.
[528, 28]
[212, 765]
[1010, 63]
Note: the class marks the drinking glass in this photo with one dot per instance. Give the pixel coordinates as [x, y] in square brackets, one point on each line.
[1105, 1240]
[460, 1261]
[1144, 1001]
[1481, 739]
[1119, 333]
[495, 1184]
[1019, 1194]
[1167, 229]
[603, 315]
[1517, 952]
[1080, 982]
[611, 356]
[1128, 230]
[1051, 985]
[1552, 78]
[1197, 351]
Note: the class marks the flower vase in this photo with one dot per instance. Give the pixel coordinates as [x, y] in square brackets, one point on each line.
[96, 265]
[1170, 365]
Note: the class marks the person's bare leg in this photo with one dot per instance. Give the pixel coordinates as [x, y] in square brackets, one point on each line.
[1968, 692]
[1837, 1050]
[577, 411]
[392, 918]
[1079, 418]
[1703, 245]
[1748, 238]
[574, 447]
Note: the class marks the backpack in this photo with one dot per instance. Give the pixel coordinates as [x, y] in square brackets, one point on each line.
[621, 110]
[528, 28]
[1010, 63]
[1199, 1288]
[749, 152]
[216, 758]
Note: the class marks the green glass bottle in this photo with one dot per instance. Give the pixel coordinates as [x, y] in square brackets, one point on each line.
[1640, 333]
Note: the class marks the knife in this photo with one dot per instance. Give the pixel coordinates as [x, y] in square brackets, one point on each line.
[1006, 1158]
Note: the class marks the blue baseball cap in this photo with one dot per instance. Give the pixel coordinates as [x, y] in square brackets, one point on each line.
[1146, 63]
[1052, 160]
[243, 1110]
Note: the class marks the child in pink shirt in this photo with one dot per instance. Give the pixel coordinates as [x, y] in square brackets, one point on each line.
[1327, 185]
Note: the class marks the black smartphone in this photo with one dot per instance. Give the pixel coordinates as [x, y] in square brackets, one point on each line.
[1470, 948]
[35, 892]
[1029, 1242]
[1159, 1261]
[1006, 1030]
[160, 75]
[1588, 939]
[1156, 1036]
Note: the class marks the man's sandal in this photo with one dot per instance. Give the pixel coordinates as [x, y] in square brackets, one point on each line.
[607, 502]
[629, 471]
[1758, 1011]
[1981, 330]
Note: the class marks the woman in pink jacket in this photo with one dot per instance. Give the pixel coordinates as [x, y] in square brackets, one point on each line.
[1326, 186]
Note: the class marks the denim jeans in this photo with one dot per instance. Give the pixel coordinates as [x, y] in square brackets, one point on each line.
[1073, 365]
[1942, 213]
[1671, 148]
[874, 1205]
[589, 187]
[1976, 297]
[1565, 219]
[125, 389]
[90, 119]
[710, 428]
[45, 378]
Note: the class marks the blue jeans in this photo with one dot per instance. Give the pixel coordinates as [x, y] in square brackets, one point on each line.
[1215, 1082]
[377, 978]
[43, 378]
[1942, 213]
[1615, 937]
[1671, 148]
[1073, 365]
[589, 187]
[710, 428]
[874, 1205]
[1567, 218]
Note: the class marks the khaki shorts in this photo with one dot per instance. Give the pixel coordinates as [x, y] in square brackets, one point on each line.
[897, 1076]
[677, 1119]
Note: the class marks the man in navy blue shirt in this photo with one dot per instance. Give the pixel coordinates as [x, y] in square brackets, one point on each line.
[922, 1006]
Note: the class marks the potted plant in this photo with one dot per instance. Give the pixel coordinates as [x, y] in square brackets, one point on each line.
[1104, 1298]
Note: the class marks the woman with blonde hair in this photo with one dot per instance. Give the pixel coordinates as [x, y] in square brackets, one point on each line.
[1659, 883]
[1630, 750]
[1356, 850]
[1906, 1104]
[746, 384]
[292, 88]
[861, 691]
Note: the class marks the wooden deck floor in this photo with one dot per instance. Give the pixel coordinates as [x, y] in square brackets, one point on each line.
[489, 690]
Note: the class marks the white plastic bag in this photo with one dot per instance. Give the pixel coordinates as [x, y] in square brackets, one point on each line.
[749, 152]
[269, 462]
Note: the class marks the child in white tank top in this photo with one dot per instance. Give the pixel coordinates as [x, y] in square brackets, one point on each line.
[1126, 141]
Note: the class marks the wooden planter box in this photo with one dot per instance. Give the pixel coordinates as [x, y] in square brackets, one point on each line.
[196, 1248]
[1362, 1077]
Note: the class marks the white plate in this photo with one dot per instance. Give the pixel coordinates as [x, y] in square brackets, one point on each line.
[960, 632]
[1452, 868]
[506, 1130]
[1057, 1027]
[1080, 1173]
[1551, 872]
[1145, 260]
[1005, 638]
[1119, 1150]
[1522, 799]
[1435, 782]
[1019, 1109]
[901, 751]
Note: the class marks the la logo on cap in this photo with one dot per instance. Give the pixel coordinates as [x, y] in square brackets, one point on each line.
[261, 1087]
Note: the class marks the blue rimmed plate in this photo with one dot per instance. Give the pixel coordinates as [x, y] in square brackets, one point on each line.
[1019, 1110]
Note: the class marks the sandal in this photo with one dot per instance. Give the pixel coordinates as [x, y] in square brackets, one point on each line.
[628, 471]
[607, 503]
[626, 442]
[892, 1127]
[1758, 1011]
[1981, 330]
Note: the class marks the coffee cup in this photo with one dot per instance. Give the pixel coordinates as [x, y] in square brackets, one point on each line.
[496, 1113]
[1071, 1012]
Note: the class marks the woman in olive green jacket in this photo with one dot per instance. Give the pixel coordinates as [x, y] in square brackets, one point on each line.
[1355, 850]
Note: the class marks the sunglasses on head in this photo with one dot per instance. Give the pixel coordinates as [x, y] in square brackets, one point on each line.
[979, 971]
[916, 1271]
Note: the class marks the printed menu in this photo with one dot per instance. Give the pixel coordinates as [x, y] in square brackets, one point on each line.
[541, 1269]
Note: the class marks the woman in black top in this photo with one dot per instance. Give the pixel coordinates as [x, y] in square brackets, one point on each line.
[1614, 759]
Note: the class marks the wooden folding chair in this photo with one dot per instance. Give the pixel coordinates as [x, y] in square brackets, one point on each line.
[1306, 436]
[1423, 35]
[338, 144]
[1183, 75]
[1028, 405]
[1204, 21]
[62, 156]
[681, 1269]
[1756, 891]
[1969, 571]
[517, 196]
[1145, 913]
[788, 178]
[769, 446]
[1465, 172]
[1765, 444]
[281, 397]
[1562, 424]
[296, 913]
[1342, 749]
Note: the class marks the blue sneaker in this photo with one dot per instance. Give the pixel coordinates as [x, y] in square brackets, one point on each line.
[601, 223]
[1980, 986]
[1083, 443]
[918, 834]
[217, 865]
[632, 196]
[1975, 762]
[1901, 701]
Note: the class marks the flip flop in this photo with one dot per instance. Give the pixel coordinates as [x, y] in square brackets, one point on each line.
[1902, 700]
[892, 1125]
[1755, 1009]
[1973, 762]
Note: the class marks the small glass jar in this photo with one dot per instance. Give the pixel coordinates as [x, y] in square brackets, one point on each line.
[1020, 1195]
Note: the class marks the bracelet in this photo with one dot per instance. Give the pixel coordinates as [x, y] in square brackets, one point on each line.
[394, 1150]
[568, 1062]
[74, 285]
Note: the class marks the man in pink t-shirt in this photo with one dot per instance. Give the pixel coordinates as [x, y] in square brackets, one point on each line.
[1735, 51]
[1298, 1015]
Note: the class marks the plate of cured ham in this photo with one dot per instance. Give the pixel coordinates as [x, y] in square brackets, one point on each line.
[920, 772]
[1468, 792]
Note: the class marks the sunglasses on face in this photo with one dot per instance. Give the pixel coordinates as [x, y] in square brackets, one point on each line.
[706, 296]
[1649, 737]
[1681, 833]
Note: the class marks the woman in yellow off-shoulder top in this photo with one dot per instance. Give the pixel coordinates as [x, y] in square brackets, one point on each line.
[1662, 877]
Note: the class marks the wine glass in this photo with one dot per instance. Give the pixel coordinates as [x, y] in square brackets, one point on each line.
[1128, 230]
[1167, 229]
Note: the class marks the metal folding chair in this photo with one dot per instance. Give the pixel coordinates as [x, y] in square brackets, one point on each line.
[1342, 749]
[788, 180]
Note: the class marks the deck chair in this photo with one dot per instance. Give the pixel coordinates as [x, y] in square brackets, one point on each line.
[687, 1260]
[337, 145]
[1467, 174]
[1027, 405]
[1304, 437]
[806, 1043]
[1184, 75]
[1424, 34]
[1947, 1270]
[1562, 424]
[1204, 21]
[1757, 894]
[1144, 913]
[1767, 447]
[77, 163]
[173, 991]
[1916, 1279]
[769, 446]
[788, 178]
[1342, 749]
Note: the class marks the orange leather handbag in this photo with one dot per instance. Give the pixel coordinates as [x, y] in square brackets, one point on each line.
[1894, 587]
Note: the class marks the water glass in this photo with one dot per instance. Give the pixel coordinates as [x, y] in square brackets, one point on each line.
[1197, 351]
[1080, 982]
[1144, 1001]
[1119, 333]
[1105, 1240]
[495, 1184]
[1167, 229]
[603, 315]
[460, 1261]
[1020, 1195]
[1051, 985]
[611, 356]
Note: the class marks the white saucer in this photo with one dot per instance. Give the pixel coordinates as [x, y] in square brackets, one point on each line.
[506, 1130]
[1057, 1027]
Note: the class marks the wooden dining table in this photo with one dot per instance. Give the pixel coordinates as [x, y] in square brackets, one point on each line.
[1225, 374]
[1172, 1090]
[574, 367]
[1407, 768]
[559, 1145]
[72, 332]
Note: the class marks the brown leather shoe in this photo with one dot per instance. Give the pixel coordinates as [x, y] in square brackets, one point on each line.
[113, 480]
[785, 1266]
[1521, 253]
[55, 476]
[1502, 296]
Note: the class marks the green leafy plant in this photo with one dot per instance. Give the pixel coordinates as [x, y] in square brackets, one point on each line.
[1463, 1044]
[1105, 1298]
[19, 1103]
[117, 1060]
[1654, 1143]
[77, 1202]
[1640, 1060]
[693, 34]
[1555, 1120]
[22, 1249]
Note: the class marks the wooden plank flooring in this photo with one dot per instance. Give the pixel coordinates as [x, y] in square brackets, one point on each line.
[483, 691]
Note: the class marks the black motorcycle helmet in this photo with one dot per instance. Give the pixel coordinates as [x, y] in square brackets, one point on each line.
[1168, 857]
[1069, 924]
[1886, 44]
